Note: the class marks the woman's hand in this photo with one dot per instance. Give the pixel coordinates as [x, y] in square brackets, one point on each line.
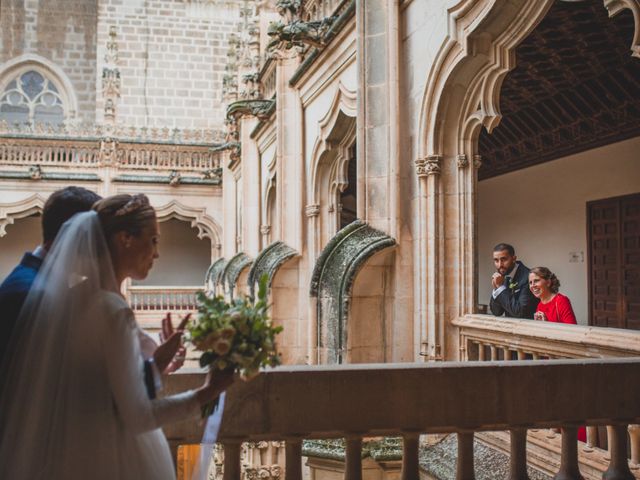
[540, 316]
[217, 381]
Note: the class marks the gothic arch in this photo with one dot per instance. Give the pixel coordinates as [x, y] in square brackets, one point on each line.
[462, 95]
[9, 212]
[213, 278]
[19, 65]
[237, 265]
[198, 218]
[268, 261]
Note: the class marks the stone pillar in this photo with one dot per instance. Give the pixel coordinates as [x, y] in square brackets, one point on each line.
[290, 169]
[251, 188]
[230, 176]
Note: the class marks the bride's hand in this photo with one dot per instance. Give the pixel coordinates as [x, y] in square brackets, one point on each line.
[217, 381]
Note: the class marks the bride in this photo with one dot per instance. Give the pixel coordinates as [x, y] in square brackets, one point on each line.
[73, 405]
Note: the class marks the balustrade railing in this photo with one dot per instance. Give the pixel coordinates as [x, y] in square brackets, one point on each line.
[163, 299]
[20, 151]
[485, 337]
[405, 400]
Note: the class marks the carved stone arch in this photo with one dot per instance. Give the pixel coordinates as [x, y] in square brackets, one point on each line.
[268, 261]
[236, 266]
[332, 283]
[30, 61]
[614, 7]
[213, 279]
[344, 103]
[10, 212]
[198, 218]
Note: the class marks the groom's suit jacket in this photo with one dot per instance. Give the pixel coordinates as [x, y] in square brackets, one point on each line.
[13, 293]
[516, 302]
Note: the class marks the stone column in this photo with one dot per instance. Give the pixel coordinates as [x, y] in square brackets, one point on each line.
[229, 179]
[251, 188]
[290, 169]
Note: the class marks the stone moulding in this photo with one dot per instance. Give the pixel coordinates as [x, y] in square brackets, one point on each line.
[268, 261]
[61, 177]
[9, 212]
[333, 277]
[233, 269]
[214, 274]
[167, 179]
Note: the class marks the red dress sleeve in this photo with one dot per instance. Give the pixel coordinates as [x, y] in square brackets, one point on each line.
[565, 311]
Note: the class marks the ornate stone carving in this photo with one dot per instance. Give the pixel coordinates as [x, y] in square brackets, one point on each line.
[174, 178]
[332, 280]
[111, 78]
[477, 161]
[234, 268]
[35, 172]
[312, 210]
[299, 34]
[268, 261]
[428, 166]
[463, 161]
[262, 109]
[265, 229]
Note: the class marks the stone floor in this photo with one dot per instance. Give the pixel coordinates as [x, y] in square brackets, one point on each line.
[438, 461]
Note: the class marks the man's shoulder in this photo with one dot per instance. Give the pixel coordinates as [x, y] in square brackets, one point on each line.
[20, 279]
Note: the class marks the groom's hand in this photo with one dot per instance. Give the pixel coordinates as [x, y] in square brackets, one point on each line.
[170, 355]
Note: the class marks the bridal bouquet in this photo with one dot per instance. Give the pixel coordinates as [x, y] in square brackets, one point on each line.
[235, 336]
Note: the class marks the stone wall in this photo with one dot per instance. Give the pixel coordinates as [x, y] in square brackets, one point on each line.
[61, 31]
[171, 58]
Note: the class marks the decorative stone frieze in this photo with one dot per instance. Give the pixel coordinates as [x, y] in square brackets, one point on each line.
[111, 81]
[428, 166]
[332, 281]
[269, 261]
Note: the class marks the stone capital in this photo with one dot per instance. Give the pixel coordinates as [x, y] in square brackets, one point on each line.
[477, 161]
[463, 161]
[312, 210]
[428, 166]
[265, 229]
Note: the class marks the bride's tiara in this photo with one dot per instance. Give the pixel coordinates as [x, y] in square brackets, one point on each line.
[137, 202]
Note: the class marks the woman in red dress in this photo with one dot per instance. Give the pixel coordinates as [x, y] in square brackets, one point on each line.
[553, 306]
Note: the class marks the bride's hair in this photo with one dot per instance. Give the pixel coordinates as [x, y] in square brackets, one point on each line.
[129, 213]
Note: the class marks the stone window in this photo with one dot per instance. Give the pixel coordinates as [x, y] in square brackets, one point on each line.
[31, 97]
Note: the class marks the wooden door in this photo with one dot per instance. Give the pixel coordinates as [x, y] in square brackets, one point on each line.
[614, 262]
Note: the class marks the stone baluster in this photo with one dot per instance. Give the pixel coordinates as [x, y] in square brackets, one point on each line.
[494, 352]
[506, 353]
[353, 463]
[569, 469]
[522, 355]
[481, 355]
[619, 466]
[634, 436]
[293, 459]
[232, 469]
[536, 356]
[410, 462]
[464, 465]
[592, 439]
[518, 460]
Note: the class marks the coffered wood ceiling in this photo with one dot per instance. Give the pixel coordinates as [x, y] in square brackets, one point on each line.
[575, 87]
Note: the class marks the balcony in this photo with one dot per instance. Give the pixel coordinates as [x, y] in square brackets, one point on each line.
[498, 394]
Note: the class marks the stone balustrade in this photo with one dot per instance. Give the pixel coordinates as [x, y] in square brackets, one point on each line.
[175, 299]
[485, 337]
[121, 154]
[405, 400]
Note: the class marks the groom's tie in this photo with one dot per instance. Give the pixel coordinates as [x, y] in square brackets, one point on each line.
[507, 281]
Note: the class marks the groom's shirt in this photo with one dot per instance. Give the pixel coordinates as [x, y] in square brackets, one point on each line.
[13, 293]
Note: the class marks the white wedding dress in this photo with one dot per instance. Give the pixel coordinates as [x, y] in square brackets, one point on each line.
[73, 404]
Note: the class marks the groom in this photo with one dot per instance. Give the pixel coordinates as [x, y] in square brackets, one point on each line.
[511, 295]
[60, 207]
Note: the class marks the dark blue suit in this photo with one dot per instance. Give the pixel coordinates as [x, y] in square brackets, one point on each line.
[13, 293]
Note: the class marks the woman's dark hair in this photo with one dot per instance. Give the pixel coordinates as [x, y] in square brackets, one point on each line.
[546, 274]
[128, 213]
[61, 206]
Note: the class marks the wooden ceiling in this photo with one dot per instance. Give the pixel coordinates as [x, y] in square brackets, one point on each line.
[575, 87]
